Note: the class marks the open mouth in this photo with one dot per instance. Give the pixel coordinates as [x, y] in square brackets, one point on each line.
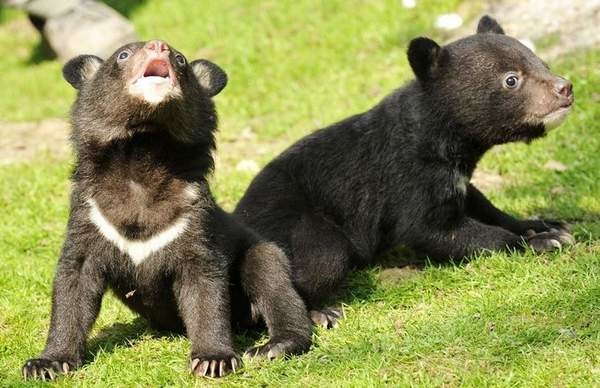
[156, 82]
[157, 68]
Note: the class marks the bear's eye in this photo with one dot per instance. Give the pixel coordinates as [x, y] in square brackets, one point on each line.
[511, 81]
[123, 55]
[180, 59]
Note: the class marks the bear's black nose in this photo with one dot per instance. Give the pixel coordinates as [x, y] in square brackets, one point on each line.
[563, 87]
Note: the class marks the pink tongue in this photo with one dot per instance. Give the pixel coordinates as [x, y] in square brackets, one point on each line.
[157, 69]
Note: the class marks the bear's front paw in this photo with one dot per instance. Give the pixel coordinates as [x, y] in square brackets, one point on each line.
[43, 369]
[215, 366]
[549, 241]
[539, 226]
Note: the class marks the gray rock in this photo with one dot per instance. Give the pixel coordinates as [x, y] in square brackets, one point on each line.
[45, 9]
[89, 28]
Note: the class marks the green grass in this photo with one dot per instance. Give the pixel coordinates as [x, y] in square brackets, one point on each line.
[503, 320]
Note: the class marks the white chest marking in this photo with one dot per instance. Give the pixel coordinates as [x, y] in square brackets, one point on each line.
[138, 250]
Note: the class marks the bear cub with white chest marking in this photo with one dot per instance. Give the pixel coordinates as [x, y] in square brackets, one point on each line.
[400, 173]
[143, 221]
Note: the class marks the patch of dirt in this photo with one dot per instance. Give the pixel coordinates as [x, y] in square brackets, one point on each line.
[391, 276]
[555, 165]
[21, 142]
[487, 180]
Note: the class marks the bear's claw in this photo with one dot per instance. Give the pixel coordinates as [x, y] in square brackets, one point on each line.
[328, 317]
[43, 369]
[214, 366]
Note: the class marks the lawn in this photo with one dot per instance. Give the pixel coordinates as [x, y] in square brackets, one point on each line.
[500, 320]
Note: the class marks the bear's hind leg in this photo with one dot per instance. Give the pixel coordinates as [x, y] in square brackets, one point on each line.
[321, 258]
[266, 279]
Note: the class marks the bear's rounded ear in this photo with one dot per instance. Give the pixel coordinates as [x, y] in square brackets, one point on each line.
[488, 24]
[81, 69]
[424, 56]
[210, 76]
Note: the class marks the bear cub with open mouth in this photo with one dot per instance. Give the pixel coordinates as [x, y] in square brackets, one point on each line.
[144, 223]
[400, 173]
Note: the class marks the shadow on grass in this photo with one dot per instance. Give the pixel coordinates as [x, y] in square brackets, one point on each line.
[124, 7]
[120, 335]
[126, 334]
[42, 51]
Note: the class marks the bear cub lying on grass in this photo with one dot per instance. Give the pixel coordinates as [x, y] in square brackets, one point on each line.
[144, 223]
[400, 172]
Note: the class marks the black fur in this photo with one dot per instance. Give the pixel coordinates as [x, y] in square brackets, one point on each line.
[488, 24]
[145, 166]
[399, 173]
[210, 76]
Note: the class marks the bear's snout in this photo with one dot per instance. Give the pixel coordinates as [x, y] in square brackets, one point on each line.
[563, 88]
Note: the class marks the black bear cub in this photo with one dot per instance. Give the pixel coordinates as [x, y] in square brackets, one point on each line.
[143, 221]
[400, 172]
